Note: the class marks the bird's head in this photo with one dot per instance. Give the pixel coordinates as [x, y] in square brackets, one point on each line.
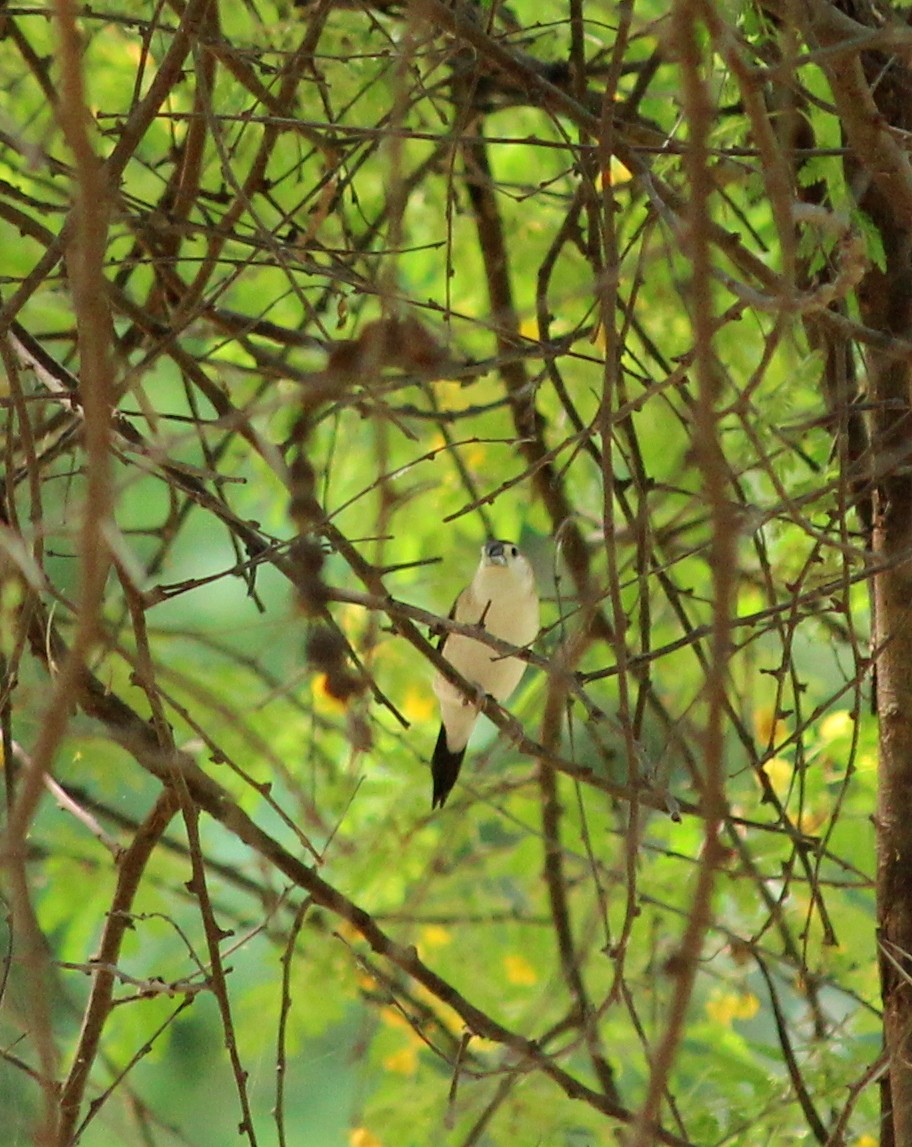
[499, 555]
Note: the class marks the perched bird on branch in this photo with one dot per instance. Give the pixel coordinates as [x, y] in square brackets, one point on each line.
[502, 601]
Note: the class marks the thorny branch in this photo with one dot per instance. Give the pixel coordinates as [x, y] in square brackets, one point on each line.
[317, 280]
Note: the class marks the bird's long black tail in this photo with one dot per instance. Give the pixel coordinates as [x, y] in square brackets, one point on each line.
[444, 769]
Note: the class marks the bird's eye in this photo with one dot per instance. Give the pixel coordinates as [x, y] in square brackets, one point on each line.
[514, 551]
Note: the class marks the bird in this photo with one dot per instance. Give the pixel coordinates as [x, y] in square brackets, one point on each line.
[503, 601]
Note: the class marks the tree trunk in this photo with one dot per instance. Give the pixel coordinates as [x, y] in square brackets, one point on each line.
[885, 298]
[873, 94]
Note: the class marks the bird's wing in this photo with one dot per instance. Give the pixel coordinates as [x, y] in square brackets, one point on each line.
[465, 607]
[440, 631]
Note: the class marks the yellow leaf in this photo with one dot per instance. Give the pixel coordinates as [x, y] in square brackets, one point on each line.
[393, 1018]
[418, 704]
[323, 700]
[724, 1007]
[811, 820]
[361, 1137]
[617, 173]
[446, 1016]
[836, 725]
[779, 772]
[520, 971]
[435, 936]
[721, 1008]
[350, 617]
[528, 328]
[748, 1006]
[404, 1061]
[348, 932]
[452, 395]
[476, 456]
[766, 727]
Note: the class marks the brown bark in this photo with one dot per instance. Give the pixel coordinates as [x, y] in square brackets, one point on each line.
[886, 302]
[885, 299]
[872, 91]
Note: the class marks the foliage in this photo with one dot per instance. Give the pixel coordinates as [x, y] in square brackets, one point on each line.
[387, 280]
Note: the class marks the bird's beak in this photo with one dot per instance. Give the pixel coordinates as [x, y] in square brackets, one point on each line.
[493, 554]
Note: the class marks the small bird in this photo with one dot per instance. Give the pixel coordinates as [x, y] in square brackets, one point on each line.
[502, 600]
